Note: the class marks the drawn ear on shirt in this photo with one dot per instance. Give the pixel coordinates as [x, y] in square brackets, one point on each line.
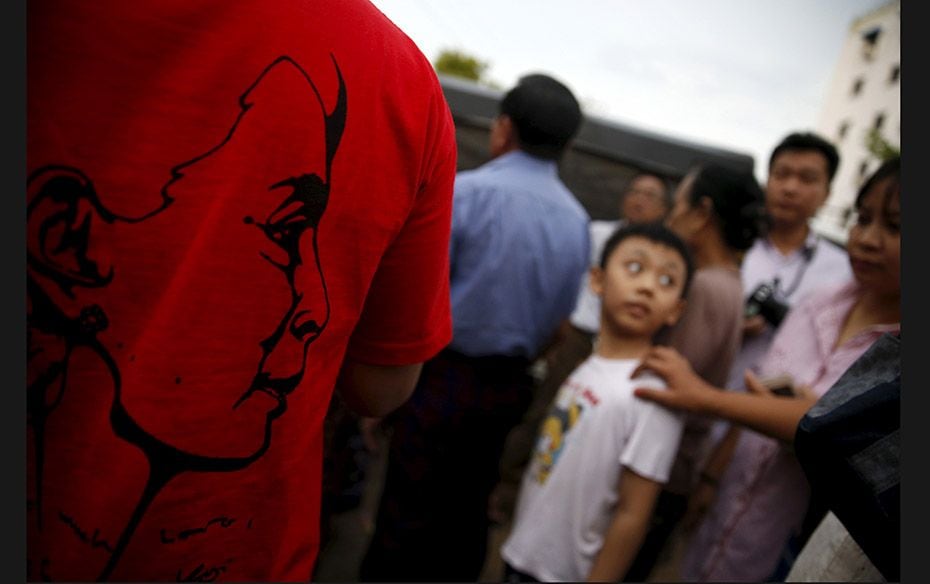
[63, 211]
[63, 214]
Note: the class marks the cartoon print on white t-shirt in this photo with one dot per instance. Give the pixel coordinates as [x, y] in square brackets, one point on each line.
[563, 416]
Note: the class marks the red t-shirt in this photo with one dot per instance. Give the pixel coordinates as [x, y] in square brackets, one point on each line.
[224, 200]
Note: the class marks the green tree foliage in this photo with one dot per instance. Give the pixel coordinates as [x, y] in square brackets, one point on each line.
[460, 64]
[879, 147]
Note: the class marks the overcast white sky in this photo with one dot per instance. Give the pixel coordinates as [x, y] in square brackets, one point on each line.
[737, 74]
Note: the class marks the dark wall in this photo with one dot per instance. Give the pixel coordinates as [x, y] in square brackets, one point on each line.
[597, 181]
[603, 158]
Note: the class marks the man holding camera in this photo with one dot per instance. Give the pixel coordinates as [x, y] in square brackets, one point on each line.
[782, 268]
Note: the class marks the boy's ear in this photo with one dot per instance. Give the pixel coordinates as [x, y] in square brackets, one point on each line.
[675, 314]
[596, 278]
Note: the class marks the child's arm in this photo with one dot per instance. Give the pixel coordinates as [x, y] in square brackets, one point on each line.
[636, 497]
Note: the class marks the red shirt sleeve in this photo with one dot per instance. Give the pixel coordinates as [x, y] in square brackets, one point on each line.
[407, 316]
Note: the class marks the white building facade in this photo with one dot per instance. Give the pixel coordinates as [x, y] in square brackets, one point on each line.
[864, 97]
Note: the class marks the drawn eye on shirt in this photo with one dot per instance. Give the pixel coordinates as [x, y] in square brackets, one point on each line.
[284, 232]
[286, 224]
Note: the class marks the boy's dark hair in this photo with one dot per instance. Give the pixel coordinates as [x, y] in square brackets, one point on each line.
[656, 233]
[809, 141]
[737, 200]
[545, 115]
[891, 168]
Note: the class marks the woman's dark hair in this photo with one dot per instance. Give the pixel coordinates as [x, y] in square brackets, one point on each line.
[737, 200]
[891, 168]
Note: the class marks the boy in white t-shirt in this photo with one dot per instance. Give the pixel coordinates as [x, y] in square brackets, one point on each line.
[603, 455]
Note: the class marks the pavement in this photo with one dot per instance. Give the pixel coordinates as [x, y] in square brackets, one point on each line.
[351, 530]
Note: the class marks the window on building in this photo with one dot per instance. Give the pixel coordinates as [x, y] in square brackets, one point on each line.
[843, 130]
[895, 74]
[870, 41]
[857, 86]
[879, 121]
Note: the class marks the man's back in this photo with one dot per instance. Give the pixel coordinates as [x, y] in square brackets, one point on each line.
[519, 247]
[792, 260]
[225, 200]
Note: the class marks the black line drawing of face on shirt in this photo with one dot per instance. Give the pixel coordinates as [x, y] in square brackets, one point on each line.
[273, 202]
[274, 189]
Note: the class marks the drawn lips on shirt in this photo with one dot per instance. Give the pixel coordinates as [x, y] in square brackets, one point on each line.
[278, 388]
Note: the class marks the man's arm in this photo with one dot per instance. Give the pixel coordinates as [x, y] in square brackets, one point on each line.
[636, 498]
[406, 318]
[376, 390]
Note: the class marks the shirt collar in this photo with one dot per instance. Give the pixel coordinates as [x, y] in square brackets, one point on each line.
[836, 307]
[520, 159]
[810, 244]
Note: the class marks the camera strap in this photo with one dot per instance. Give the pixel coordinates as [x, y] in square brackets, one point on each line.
[807, 253]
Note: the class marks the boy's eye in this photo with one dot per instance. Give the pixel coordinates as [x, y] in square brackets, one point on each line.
[666, 280]
[634, 267]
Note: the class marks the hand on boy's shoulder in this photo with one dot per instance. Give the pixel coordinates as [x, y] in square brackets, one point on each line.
[684, 388]
[665, 363]
[648, 380]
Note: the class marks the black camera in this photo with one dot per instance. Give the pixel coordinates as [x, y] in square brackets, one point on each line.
[762, 301]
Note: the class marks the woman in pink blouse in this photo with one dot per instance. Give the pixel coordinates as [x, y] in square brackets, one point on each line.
[763, 494]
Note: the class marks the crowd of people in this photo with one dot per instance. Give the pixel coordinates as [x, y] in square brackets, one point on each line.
[593, 484]
[242, 260]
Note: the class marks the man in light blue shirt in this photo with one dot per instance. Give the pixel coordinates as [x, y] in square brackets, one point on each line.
[518, 250]
[519, 237]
